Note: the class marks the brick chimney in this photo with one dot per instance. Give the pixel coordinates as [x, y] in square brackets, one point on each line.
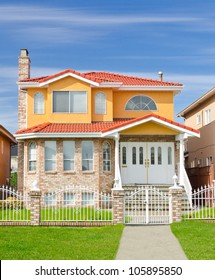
[24, 65]
[23, 73]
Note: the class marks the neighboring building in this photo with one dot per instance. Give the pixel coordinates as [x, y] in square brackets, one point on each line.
[6, 140]
[97, 129]
[200, 152]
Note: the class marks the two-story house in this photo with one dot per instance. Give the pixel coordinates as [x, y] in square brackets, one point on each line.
[97, 129]
[200, 152]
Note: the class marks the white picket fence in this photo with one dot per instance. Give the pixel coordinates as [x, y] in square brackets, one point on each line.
[76, 203]
[203, 204]
[13, 205]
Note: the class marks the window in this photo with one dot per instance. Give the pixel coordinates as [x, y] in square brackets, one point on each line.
[87, 155]
[198, 119]
[39, 103]
[100, 103]
[124, 155]
[209, 160]
[199, 162]
[192, 164]
[207, 116]
[68, 199]
[68, 155]
[106, 157]
[87, 199]
[141, 103]
[141, 155]
[152, 155]
[32, 156]
[159, 155]
[169, 155]
[50, 155]
[50, 199]
[134, 155]
[69, 102]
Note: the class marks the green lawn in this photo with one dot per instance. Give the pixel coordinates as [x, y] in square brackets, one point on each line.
[59, 243]
[196, 238]
[201, 214]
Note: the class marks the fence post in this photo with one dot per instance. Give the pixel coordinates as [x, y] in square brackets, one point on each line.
[175, 192]
[118, 206]
[35, 195]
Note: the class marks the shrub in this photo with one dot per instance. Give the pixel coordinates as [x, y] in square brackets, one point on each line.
[11, 203]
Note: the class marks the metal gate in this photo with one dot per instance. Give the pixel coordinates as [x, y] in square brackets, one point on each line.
[147, 205]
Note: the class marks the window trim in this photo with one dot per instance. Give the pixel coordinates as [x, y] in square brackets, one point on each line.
[106, 160]
[29, 156]
[70, 91]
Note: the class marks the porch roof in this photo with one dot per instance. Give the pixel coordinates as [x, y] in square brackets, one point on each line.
[99, 129]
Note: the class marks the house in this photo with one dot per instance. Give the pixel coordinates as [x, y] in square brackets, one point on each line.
[6, 140]
[14, 158]
[97, 129]
[200, 152]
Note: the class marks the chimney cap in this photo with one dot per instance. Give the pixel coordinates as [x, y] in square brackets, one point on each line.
[23, 52]
[160, 73]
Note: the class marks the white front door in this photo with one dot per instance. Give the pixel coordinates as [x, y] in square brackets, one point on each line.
[147, 162]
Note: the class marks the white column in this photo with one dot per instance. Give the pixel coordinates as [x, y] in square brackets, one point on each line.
[180, 138]
[117, 179]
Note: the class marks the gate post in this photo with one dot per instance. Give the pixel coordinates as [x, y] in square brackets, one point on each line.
[118, 206]
[35, 195]
[175, 193]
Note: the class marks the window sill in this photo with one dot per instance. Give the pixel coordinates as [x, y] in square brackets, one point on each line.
[32, 172]
[50, 172]
[69, 172]
[88, 172]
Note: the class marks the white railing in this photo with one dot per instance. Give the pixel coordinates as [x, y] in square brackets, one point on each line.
[203, 204]
[13, 205]
[76, 204]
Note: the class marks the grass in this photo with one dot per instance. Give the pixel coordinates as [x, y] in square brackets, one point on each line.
[59, 243]
[58, 214]
[197, 239]
[201, 213]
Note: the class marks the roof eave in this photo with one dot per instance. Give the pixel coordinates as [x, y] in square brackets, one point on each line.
[36, 135]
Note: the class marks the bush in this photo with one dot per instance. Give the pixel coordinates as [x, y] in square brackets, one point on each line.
[11, 203]
[13, 179]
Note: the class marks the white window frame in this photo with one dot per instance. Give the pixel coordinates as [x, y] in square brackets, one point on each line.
[39, 103]
[32, 157]
[207, 116]
[69, 102]
[53, 160]
[71, 160]
[106, 161]
[142, 103]
[100, 103]
[88, 159]
[198, 119]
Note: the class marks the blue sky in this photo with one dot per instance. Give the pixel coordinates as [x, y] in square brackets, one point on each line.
[138, 37]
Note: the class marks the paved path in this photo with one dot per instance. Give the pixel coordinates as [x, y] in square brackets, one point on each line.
[149, 243]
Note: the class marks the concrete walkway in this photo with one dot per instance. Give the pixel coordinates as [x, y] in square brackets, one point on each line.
[149, 243]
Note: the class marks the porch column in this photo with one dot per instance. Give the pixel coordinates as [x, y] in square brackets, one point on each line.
[181, 138]
[117, 179]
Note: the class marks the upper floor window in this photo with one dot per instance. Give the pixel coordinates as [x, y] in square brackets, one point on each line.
[32, 156]
[140, 103]
[207, 116]
[39, 103]
[69, 102]
[100, 103]
[198, 119]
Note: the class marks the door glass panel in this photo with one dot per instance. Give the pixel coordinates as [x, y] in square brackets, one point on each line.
[141, 155]
[169, 155]
[152, 155]
[134, 155]
[124, 155]
[159, 156]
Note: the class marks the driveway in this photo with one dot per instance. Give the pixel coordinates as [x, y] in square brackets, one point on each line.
[149, 243]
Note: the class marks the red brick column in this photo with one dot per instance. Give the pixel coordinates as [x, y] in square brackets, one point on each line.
[175, 193]
[118, 206]
[35, 196]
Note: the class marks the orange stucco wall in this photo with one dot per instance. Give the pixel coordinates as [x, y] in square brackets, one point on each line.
[115, 103]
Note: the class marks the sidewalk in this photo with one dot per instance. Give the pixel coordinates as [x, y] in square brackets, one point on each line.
[149, 243]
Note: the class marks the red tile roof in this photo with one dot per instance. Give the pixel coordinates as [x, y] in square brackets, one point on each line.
[100, 77]
[94, 126]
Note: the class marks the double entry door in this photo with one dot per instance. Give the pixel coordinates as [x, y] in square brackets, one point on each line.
[147, 162]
